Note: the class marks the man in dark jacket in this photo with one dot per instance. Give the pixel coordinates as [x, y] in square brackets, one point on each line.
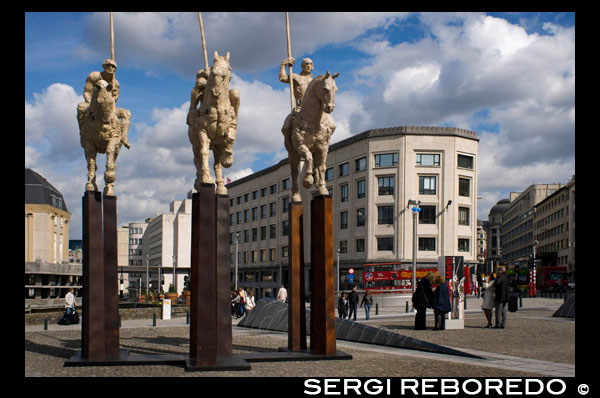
[501, 297]
[441, 304]
[353, 303]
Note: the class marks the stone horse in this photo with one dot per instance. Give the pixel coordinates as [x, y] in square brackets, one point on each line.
[214, 125]
[100, 132]
[307, 133]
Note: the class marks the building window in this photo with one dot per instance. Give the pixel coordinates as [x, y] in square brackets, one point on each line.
[238, 200]
[343, 220]
[344, 169]
[360, 245]
[254, 213]
[246, 215]
[343, 246]
[463, 245]
[385, 243]
[344, 193]
[263, 232]
[386, 160]
[428, 159]
[273, 188]
[272, 231]
[263, 192]
[361, 164]
[463, 216]
[246, 235]
[360, 217]
[385, 215]
[254, 195]
[272, 254]
[465, 161]
[427, 215]
[263, 211]
[360, 189]
[254, 256]
[273, 209]
[284, 251]
[427, 185]
[386, 185]
[263, 255]
[329, 174]
[464, 187]
[239, 217]
[285, 228]
[427, 244]
[246, 197]
[285, 202]
[285, 184]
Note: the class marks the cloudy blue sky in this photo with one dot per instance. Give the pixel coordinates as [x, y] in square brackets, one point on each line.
[508, 76]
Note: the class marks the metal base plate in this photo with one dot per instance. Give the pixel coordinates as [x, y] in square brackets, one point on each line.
[234, 362]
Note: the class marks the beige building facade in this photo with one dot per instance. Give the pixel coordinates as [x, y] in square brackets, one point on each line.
[371, 177]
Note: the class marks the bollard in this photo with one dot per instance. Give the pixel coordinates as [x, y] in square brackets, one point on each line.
[521, 302]
[407, 306]
[153, 319]
[187, 318]
[465, 302]
[46, 324]
[376, 308]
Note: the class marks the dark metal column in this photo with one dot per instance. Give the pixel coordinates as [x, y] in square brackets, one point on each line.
[203, 314]
[92, 328]
[223, 284]
[111, 297]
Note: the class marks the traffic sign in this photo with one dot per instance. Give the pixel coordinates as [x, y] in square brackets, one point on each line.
[351, 271]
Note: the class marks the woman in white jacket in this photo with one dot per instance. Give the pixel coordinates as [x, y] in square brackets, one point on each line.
[488, 298]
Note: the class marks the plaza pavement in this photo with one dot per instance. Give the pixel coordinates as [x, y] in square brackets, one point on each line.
[534, 344]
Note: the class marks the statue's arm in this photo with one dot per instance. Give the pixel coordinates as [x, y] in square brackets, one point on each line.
[234, 98]
[89, 86]
[283, 77]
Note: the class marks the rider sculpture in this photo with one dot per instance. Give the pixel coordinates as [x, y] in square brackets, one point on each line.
[213, 125]
[308, 128]
[103, 126]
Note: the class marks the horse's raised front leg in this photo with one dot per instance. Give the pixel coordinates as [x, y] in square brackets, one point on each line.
[218, 152]
[203, 174]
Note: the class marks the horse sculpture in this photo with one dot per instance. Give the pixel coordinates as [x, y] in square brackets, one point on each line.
[213, 126]
[101, 132]
[307, 133]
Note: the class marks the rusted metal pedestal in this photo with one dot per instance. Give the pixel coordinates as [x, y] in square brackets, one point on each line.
[210, 312]
[322, 308]
[296, 296]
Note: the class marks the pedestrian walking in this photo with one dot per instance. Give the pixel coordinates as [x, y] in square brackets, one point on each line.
[441, 304]
[353, 303]
[501, 284]
[419, 300]
[70, 301]
[367, 301]
[282, 294]
[488, 298]
[343, 306]
[243, 300]
[236, 304]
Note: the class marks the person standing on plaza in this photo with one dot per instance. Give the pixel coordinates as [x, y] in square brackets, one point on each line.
[243, 300]
[343, 306]
[70, 302]
[419, 300]
[488, 298]
[353, 303]
[501, 297]
[428, 287]
[441, 304]
[367, 300]
[282, 294]
[235, 301]
[251, 303]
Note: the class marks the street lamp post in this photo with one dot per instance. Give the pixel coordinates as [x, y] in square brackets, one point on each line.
[415, 211]
[338, 270]
[237, 241]
[147, 260]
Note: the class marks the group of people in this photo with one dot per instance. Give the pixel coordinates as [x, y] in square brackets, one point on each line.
[495, 296]
[425, 297]
[348, 304]
[242, 302]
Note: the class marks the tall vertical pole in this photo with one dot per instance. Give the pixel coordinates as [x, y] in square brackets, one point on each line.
[289, 48]
[112, 38]
[203, 42]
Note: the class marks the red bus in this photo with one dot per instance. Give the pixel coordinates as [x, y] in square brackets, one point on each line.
[390, 277]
